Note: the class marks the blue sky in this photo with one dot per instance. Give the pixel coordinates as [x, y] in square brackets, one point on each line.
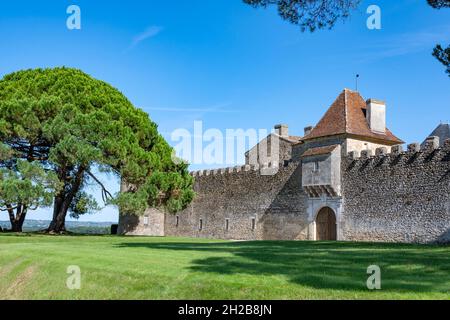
[233, 66]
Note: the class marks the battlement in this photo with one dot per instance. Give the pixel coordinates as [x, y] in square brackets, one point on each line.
[431, 146]
[265, 169]
[312, 191]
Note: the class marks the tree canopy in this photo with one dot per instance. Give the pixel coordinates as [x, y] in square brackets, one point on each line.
[71, 123]
[438, 4]
[24, 186]
[443, 55]
[310, 14]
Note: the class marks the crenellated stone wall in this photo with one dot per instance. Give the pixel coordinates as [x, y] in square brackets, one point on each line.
[246, 203]
[386, 195]
[402, 196]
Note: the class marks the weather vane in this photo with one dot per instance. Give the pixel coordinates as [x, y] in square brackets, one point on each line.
[357, 77]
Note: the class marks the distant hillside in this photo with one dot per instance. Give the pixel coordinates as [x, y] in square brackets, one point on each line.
[72, 226]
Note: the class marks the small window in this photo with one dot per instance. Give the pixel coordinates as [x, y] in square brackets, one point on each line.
[145, 220]
[200, 225]
[253, 223]
[177, 221]
[316, 166]
[227, 224]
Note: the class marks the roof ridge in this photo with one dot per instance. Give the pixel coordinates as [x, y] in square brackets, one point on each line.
[346, 116]
[345, 110]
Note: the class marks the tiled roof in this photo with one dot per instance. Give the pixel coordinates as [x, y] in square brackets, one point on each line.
[347, 116]
[319, 151]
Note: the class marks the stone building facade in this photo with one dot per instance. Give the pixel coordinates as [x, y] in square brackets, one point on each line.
[347, 178]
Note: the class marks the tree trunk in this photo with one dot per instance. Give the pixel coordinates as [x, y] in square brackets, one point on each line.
[55, 225]
[62, 203]
[16, 226]
[18, 218]
[58, 224]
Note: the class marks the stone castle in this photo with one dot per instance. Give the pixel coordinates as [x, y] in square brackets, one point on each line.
[348, 178]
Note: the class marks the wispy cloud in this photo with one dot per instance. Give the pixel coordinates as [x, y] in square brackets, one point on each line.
[406, 43]
[150, 32]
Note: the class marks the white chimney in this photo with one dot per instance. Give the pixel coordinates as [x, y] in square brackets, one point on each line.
[376, 115]
[282, 130]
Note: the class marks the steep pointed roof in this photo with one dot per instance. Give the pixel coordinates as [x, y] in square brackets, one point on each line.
[442, 131]
[347, 116]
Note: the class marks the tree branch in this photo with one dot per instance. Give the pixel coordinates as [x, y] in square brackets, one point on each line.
[105, 192]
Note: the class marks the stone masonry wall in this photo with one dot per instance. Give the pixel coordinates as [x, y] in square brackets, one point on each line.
[272, 149]
[150, 224]
[401, 196]
[276, 202]
[398, 196]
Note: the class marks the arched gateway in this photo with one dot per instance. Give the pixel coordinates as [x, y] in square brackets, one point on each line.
[326, 225]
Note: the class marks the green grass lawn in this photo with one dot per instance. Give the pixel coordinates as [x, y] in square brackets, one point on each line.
[34, 267]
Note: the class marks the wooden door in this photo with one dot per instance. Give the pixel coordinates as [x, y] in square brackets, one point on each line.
[326, 225]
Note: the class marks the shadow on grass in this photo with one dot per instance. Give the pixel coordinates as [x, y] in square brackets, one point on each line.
[323, 265]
